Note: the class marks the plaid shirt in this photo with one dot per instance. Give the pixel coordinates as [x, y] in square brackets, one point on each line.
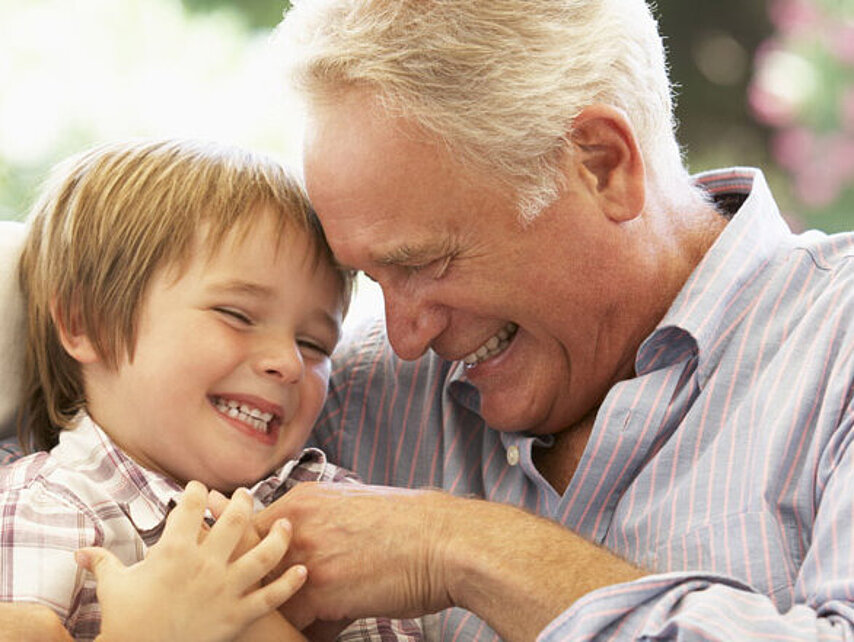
[87, 492]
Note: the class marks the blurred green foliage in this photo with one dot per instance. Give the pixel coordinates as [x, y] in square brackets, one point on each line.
[258, 14]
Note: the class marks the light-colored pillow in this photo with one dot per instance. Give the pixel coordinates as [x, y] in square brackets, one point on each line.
[12, 329]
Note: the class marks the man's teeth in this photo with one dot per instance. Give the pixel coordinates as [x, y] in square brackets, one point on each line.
[257, 419]
[496, 344]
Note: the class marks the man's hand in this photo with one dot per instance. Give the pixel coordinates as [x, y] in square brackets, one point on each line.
[189, 583]
[374, 551]
[21, 622]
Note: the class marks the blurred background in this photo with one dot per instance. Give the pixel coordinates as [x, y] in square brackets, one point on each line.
[759, 82]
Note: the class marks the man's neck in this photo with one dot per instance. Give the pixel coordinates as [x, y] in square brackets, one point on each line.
[559, 463]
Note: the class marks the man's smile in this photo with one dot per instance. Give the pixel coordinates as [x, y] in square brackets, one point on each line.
[493, 346]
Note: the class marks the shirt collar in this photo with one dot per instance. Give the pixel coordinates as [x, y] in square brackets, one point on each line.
[143, 495]
[747, 243]
[146, 496]
[311, 465]
[461, 389]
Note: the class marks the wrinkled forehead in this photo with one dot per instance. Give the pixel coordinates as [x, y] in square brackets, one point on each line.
[363, 168]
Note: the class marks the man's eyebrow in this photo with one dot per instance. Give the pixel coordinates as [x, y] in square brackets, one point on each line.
[409, 255]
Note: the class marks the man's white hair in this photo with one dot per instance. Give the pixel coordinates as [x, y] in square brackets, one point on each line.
[498, 81]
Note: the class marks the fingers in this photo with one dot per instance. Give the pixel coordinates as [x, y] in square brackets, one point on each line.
[269, 597]
[217, 502]
[256, 563]
[185, 520]
[97, 561]
[230, 526]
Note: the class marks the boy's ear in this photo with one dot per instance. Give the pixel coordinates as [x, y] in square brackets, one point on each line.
[610, 160]
[72, 336]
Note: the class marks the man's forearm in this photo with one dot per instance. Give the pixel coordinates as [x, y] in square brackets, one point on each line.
[374, 551]
[518, 572]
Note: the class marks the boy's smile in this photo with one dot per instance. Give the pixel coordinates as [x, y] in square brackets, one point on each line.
[231, 361]
[262, 424]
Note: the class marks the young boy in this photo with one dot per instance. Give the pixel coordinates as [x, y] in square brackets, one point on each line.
[182, 308]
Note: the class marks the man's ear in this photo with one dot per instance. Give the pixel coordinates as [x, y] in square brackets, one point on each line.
[610, 161]
[72, 336]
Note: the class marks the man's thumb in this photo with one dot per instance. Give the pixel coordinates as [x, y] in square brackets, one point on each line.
[97, 560]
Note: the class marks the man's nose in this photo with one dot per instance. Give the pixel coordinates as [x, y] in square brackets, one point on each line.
[412, 322]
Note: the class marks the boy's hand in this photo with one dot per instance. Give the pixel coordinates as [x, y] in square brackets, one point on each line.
[23, 622]
[188, 587]
[217, 504]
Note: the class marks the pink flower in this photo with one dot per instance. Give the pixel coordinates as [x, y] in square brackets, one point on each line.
[846, 112]
[769, 108]
[817, 188]
[840, 156]
[793, 17]
[793, 148]
[842, 42]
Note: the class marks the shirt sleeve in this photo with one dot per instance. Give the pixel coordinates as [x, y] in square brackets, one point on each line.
[693, 606]
[10, 450]
[381, 630]
[41, 529]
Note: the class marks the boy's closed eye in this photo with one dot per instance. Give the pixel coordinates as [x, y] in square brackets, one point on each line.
[234, 315]
[314, 349]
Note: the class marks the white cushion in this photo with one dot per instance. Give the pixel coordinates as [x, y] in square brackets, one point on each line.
[12, 328]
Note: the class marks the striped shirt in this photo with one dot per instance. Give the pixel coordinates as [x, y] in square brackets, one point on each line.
[725, 467]
[87, 492]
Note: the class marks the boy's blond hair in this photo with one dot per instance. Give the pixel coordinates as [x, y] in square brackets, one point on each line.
[106, 221]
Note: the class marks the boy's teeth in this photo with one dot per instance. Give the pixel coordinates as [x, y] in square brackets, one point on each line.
[251, 416]
[493, 346]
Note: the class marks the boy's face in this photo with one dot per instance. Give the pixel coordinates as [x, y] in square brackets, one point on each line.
[231, 361]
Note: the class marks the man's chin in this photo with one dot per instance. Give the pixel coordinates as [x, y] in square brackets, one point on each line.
[504, 419]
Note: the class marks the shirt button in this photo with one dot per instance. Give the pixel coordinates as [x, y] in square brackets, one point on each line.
[513, 455]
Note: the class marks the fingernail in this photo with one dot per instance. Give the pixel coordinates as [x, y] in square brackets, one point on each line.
[284, 525]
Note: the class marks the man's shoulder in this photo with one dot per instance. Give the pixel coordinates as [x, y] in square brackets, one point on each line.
[831, 265]
[828, 251]
[362, 343]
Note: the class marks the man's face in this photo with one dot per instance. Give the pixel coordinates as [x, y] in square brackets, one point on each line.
[526, 307]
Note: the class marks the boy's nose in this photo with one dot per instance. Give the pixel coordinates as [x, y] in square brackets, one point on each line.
[282, 361]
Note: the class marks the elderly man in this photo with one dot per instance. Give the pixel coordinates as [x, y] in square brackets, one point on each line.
[648, 373]
[649, 377]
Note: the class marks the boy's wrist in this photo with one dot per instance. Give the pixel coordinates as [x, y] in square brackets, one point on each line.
[273, 627]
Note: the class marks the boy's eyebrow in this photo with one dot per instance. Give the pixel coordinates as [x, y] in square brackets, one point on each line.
[238, 286]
